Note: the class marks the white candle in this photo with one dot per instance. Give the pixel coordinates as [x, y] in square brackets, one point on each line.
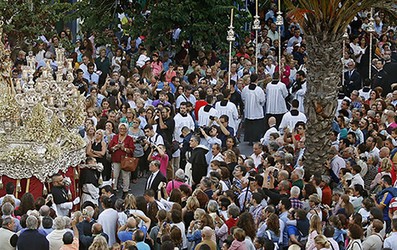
[256, 3]
[279, 5]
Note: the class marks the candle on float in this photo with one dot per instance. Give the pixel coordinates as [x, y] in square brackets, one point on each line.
[256, 3]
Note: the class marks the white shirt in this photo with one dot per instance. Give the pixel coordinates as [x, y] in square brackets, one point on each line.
[184, 98]
[204, 117]
[257, 158]
[357, 179]
[253, 99]
[391, 241]
[181, 226]
[230, 110]
[94, 77]
[151, 178]
[300, 96]
[17, 201]
[55, 239]
[294, 39]
[272, 35]
[180, 122]
[275, 98]
[108, 219]
[290, 120]
[156, 139]
[270, 69]
[266, 138]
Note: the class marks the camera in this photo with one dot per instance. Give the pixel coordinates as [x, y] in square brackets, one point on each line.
[112, 82]
[206, 130]
[251, 178]
[212, 118]
[140, 139]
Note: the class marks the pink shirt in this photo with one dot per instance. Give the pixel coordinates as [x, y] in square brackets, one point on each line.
[163, 163]
[175, 184]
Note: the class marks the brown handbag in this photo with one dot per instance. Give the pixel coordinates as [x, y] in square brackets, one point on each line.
[129, 163]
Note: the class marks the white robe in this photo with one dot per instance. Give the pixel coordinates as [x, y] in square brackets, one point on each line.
[275, 98]
[253, 99]
[231, 111]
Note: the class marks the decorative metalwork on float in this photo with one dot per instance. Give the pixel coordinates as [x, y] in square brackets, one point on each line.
[40, 114]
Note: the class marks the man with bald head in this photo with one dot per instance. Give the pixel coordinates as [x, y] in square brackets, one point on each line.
[126, 231]
[86, 225]
[272, 130]
[86, 240]
[384, 152]
[208, 238]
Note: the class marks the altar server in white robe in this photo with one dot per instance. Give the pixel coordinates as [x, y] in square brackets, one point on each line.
[276, 92]
[254, 99]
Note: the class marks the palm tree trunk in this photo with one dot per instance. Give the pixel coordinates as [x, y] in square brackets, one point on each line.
[324, 69]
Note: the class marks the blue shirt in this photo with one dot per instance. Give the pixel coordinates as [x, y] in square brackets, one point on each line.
[385, 200]
[125, 235]
[142, 246]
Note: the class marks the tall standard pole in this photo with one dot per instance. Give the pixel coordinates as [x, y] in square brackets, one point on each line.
[230, 37]
[256, 27]
[279, 23]
[345, 36]
[371, 30]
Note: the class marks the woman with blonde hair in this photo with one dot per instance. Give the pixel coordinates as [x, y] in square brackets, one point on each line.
[314, 231]
[99, 243]
[321, 243]
[137, 134]
[190, 210]
[385, 168]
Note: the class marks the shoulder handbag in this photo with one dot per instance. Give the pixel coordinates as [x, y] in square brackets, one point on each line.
[129, 163]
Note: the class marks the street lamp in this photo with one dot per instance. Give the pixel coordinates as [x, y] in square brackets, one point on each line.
[279, 23]
[371, 30]
[256, 27]
[230, 37]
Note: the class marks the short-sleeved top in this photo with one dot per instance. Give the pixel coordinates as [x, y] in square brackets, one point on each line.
[385, 200]
[73, 246]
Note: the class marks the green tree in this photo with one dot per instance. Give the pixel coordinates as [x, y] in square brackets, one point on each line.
[25, 20]
[204, 23]
[324, 23]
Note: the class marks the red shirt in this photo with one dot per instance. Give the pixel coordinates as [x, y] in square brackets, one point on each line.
[128, 143]
[327, 195]
[199, 104]
[231, 223]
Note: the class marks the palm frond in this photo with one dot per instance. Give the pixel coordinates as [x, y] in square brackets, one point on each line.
[332, 16]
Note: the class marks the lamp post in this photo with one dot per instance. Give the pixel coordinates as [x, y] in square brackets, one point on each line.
[345, 36]
[371, 30]
[256, 27]
[279, 23]
[230, 37]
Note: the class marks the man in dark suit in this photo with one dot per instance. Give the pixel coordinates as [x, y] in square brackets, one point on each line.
[108, 191]
[352, 79]
[155, 177]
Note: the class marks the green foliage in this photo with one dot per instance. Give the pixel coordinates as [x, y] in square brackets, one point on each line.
[204, 23]
[25, 20]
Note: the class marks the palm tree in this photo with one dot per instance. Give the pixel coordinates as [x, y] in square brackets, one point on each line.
[324, 23]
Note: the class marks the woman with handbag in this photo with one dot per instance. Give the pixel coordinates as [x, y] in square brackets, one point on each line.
[138, 135]
[121, 146]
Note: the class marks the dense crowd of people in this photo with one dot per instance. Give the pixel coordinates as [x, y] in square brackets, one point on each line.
[177, 115]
